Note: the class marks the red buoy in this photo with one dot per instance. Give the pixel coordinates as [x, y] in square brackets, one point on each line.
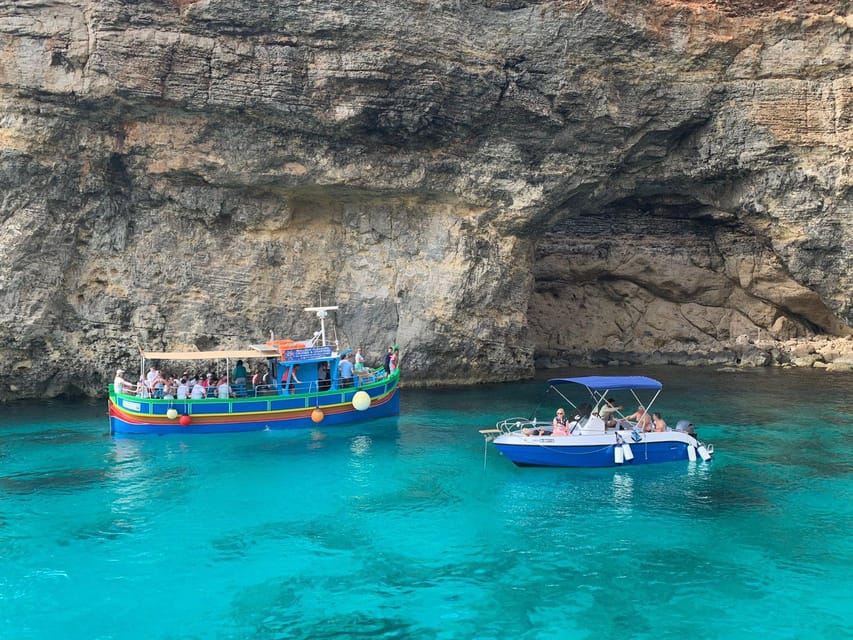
[185, 421]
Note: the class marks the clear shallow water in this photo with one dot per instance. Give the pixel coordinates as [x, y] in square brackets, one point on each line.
[397, 529]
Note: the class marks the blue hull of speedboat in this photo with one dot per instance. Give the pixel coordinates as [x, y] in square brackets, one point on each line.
[591, 455]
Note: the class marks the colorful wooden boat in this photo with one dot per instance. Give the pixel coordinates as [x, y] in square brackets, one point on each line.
[321, 397]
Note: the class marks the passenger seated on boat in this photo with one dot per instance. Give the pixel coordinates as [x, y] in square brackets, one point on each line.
[537, 432]
[198, 391]
[561, 424]
[183, 390]
[606, 412]
[643, 419]
[658, 422]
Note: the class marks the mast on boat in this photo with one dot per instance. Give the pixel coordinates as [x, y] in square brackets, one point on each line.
[322, 313]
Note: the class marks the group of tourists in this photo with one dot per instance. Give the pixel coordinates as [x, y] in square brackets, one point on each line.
[189, 385]
[641, 419]
[159, 385]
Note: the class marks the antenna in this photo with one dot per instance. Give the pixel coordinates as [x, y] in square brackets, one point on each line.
[322, 313]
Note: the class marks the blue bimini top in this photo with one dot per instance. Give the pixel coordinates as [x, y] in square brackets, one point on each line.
[610, 383]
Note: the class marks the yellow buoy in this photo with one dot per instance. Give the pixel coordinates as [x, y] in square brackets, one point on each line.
[317, 415]
[172, 414]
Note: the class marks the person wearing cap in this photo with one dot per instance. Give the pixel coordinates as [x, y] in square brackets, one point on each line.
[120, 385]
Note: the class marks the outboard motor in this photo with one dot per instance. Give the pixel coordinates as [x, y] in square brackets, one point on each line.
[686, 426]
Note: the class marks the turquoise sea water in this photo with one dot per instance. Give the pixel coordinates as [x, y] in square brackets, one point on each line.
[402, 529]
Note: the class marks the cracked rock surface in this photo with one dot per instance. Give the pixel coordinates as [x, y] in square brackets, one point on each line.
[491, 184]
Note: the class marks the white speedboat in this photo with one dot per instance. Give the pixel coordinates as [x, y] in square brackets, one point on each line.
[592, 442]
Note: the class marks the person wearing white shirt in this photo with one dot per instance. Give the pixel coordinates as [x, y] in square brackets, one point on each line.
[198, 392]
[120, 385]
[222, 389]
[152, 376]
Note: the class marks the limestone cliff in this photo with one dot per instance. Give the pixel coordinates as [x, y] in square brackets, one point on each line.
[490, 184]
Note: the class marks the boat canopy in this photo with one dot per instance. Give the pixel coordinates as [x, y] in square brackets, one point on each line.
[245, 354]
[610, 383]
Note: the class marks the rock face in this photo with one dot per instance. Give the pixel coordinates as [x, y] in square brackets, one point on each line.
[490, 184]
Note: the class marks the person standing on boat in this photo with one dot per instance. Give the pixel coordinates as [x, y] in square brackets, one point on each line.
[142, 389]
[198, 391]
[387, 362]
[323, 382]
[240, 374]
[120, 385]
[223, 390]
[151, 378]
[345, 368]
[168, 387]
[395, 355]
[359, 360]
[290, 379]
[183, 390]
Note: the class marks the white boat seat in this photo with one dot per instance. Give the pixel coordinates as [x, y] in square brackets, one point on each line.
[590, 425]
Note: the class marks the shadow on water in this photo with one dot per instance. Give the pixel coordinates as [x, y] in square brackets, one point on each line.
[51, 436]
[63, 480]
